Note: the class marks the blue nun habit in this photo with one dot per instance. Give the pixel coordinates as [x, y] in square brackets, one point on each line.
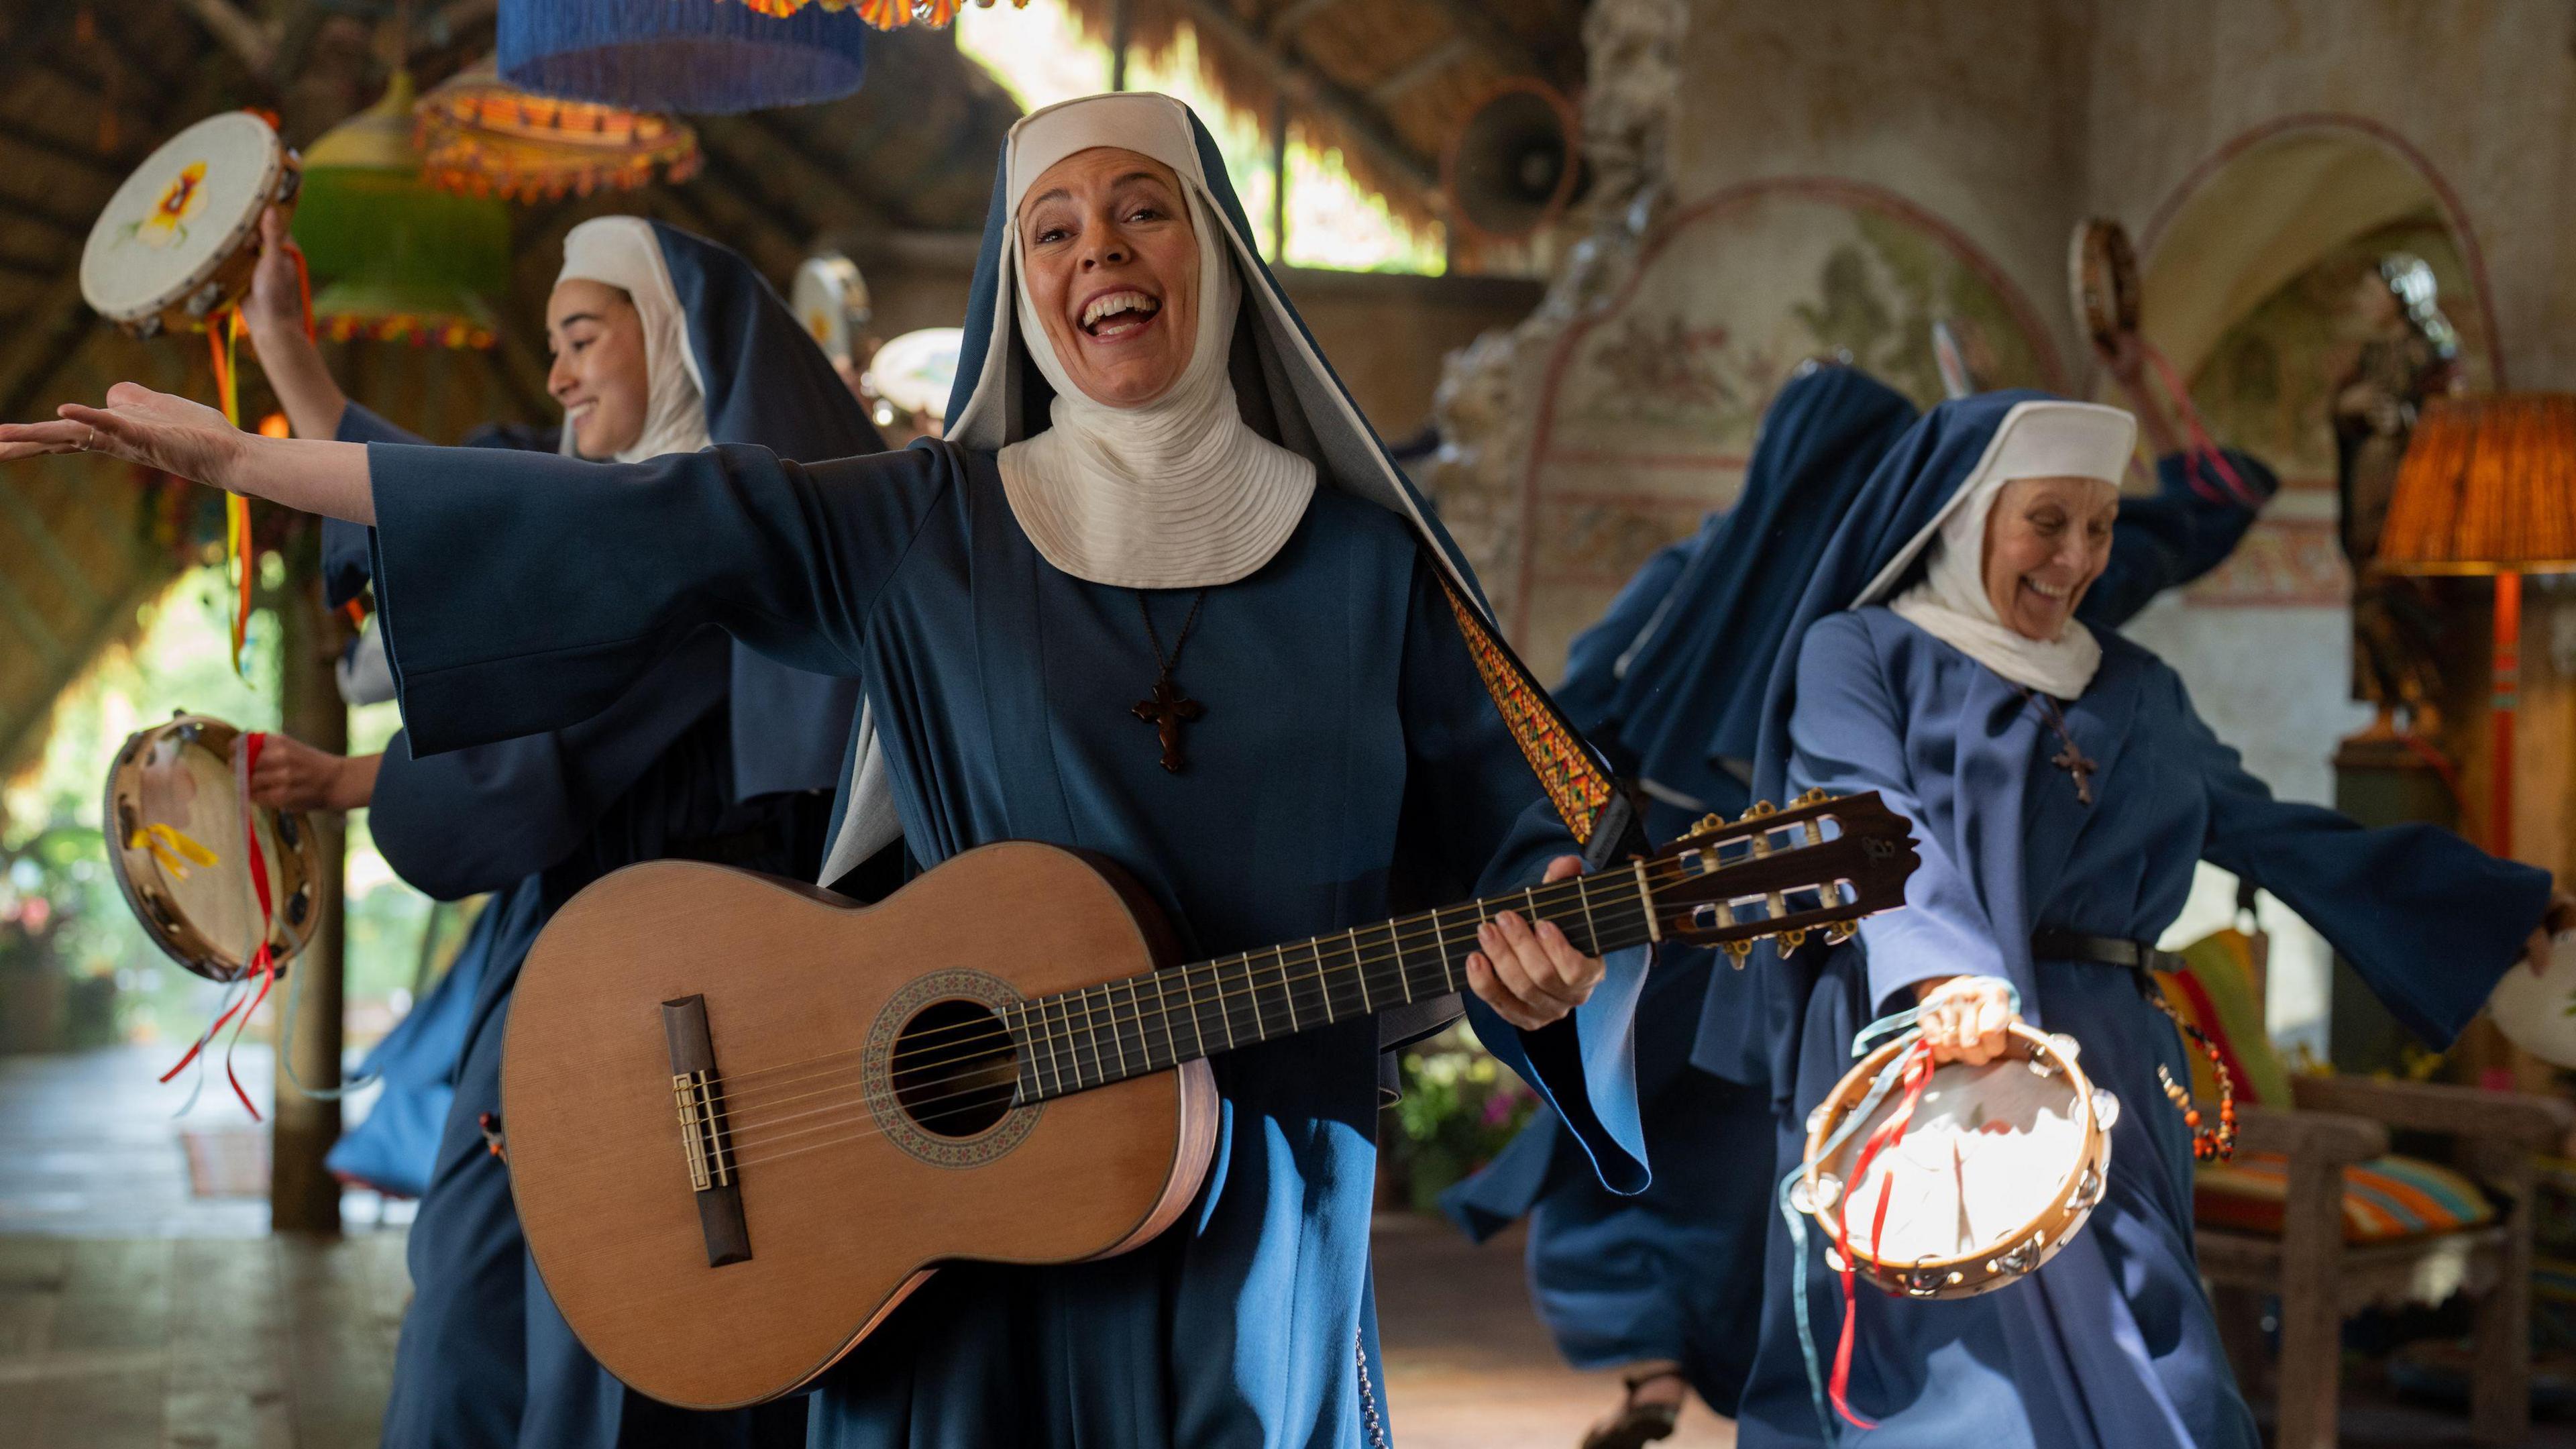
[2111, 1345]
[1668, 684]
[1349, 764]
[713, 753]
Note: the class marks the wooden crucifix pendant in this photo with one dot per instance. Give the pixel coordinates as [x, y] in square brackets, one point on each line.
[1167, 711]
[2073, 762]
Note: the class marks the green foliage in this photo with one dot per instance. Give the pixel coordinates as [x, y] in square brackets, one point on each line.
[1458, 1109]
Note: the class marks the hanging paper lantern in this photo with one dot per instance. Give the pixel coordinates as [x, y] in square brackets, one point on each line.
[485, 137]
[680, 55]
[883, 14]
[393, 257]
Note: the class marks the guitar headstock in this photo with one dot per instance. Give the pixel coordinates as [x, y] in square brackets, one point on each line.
[1821, 864]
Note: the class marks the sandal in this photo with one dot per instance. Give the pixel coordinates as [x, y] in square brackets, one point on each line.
[1638, 1422]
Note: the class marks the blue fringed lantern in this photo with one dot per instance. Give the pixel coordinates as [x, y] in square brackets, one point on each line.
[680, 55]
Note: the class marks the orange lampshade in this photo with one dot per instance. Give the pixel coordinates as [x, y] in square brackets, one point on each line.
[2488, 485]
[482, 136]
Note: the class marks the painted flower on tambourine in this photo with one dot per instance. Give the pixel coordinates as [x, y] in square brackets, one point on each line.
[166, 224]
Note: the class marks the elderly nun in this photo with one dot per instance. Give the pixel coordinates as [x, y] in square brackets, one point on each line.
[1666, 1285]
[663, 341]
[2062, 789]
[1155, 492]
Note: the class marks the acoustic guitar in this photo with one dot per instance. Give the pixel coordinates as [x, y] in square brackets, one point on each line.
[746, 1117]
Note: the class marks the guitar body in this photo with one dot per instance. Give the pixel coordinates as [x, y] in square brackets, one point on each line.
[852, 1179]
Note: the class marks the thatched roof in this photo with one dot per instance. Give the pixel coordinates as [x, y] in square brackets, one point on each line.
[1384, 81]
[82, 541]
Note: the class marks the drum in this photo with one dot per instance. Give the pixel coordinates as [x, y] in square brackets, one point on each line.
[178, 240]
[1995, 1170]
[831, 299]
[909, 378]
[181, 845]
[2102, 276]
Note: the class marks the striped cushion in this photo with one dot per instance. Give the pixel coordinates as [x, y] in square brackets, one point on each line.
[2216, 994]
[2383, 1199]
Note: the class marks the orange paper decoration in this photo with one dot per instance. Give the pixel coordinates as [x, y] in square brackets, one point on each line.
[883, 14]
[483, 136]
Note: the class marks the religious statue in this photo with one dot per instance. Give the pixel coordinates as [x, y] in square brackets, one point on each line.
[2407, 353]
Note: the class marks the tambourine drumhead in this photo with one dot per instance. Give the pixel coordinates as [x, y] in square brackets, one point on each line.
[179, 850]
[831, 300]
[190, 208]
[915, 371]
[2102, 272]
[1996, 1169]
[2531, 1010]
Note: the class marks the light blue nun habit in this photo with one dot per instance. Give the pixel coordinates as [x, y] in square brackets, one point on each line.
[1349, 765]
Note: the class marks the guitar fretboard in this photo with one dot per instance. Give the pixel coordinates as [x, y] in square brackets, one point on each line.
[1083, 1039]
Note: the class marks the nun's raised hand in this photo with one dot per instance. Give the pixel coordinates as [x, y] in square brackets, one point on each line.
[1530, 974]
[140, 426]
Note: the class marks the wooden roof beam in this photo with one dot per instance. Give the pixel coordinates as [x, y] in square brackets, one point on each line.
[1281, 29]
[1500, 43]
[66, 152]
[1366, 125]
[252, 43]
[1426, 66]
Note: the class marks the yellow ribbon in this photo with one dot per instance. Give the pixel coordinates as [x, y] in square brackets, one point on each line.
[170, 847]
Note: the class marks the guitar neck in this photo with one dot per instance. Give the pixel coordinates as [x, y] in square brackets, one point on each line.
[1077, 1040]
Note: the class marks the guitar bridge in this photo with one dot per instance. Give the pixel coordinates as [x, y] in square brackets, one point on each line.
[706, 1132]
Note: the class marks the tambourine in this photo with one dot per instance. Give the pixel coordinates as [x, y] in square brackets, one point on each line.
[909, 378]
[1997, 1169]
[2532, 1011]
[2102, 278]
[831, 299]
[178, 241]
[181, 841]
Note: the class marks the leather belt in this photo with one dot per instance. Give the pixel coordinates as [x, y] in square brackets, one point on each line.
[2051, 944]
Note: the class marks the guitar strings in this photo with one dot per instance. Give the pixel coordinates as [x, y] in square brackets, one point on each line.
[1005, 1049]
[998, 1039]
[1555, 893]
[1554, 890]
[1367, 955]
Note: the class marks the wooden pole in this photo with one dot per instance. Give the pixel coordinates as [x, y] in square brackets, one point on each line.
[303, 1198]
[1279, 182]
[1120, 22]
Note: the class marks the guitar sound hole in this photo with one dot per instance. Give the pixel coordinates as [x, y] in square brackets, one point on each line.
[954, 1069]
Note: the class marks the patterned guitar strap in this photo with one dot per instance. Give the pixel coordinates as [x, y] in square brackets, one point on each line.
[1600, 812]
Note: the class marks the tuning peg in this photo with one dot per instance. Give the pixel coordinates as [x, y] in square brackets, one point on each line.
[1841, 931]
[1736, 952]
[1760, 809]
[1709, 825]
[1816, 796]
[1791, 940]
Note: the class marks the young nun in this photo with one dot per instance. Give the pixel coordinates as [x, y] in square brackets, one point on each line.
[2061, 789]
[1667, 1283]
[661, 340]
[1154, 490]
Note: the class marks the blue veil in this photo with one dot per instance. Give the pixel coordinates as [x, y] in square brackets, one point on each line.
[766, 382]
[1688, 689]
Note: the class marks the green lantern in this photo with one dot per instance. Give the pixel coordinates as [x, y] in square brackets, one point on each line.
[393, 257]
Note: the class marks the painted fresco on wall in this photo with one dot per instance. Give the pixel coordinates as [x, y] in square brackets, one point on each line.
[2269, 386]
[1649, 408]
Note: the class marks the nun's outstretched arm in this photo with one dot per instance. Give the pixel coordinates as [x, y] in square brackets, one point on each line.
[192, 441]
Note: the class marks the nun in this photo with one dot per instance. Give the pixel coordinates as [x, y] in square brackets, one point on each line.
[1666, 1285]
[1161, 595]
[2061, 789]
[662, 340]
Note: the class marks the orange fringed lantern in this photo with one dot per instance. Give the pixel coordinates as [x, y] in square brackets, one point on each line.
[482, 136]
[2488, 486]
[883, 14]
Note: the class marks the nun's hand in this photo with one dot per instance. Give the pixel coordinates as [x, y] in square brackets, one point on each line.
[292, 775]
[1964, 1017]
[1530, 974]
[139, 426]
[2557, 921]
